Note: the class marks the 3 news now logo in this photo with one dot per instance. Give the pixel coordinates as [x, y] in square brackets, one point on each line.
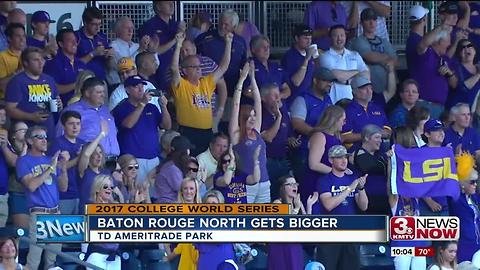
[60, 228]
[424, 228]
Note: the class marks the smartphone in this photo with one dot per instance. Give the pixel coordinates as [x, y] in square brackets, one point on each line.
[155, 92]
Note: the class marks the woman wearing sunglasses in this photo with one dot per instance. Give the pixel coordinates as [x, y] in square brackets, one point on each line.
[132, 191]
[91, 163]
[290, 255]
[104, 255]
[466, 208]
[233, 183]
[468, 73]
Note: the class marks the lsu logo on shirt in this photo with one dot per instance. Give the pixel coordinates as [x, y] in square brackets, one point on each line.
[38, 93]
[39, 169]
[335, 190]
[201, 101]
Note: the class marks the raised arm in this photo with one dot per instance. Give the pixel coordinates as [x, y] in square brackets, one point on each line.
[298, 77]
[252, 179]
[257, 100]
[380, 8]
[233, 127]
[33, 182]
[223, 66]
[180, 37]
[88, 151]
[269, 134]
[430, 37]
[166, 118]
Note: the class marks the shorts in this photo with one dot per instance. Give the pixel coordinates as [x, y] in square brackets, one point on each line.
[17, 203]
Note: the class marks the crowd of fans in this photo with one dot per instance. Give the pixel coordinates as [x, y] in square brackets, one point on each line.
[194, 113]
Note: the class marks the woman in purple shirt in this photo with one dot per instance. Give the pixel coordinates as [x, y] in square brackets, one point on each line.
[467, 72]
[91, 163]
[245, 136]
[325, 135]
[233, 183]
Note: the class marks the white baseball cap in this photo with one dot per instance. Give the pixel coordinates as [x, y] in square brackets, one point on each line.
[417, 12]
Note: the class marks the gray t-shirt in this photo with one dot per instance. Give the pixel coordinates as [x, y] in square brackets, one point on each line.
[378, 72]
[298, 109]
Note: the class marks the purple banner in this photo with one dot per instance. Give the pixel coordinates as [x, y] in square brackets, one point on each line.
[424, 172]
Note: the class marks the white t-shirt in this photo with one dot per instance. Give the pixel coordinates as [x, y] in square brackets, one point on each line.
[435, 267]
[349, 60]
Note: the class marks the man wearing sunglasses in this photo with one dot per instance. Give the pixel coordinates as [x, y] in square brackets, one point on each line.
[43, 177]
[138, 122]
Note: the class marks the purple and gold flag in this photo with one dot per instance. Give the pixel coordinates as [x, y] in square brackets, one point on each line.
[424, 172]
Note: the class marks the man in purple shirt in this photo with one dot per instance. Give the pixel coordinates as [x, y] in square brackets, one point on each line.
[460, 134]
[138, 122]
[93, 46]
[433, 72]
[162, 29]
[319, 16]
[43, 177]
[212, 44]
[298, 63]
[276, 132]
[91, 107]
[361, 112]
[65, 66]
[71, 121]
[40, 38]
[340, 194]
[29, 92]
[418, 21]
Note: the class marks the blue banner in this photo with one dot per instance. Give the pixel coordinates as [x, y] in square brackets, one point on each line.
[60, 228]
[424, 172]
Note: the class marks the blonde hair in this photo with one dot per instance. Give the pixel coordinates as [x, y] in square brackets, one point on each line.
[81, 78]
[197, 198]
[214, 194]
[124, 159]
[328, 120]
[98, 182]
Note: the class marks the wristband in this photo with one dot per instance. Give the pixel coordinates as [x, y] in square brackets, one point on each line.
[103, 133]
[349, 190]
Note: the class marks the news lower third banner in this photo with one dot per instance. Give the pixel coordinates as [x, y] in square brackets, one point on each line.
[183, 224]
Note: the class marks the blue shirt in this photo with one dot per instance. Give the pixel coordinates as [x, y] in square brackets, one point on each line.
[142, 139]
[91, 119]
[64, 71]
[334, 185]
[165, 31]
[291, 62]
[470, 140]
[272, 74]
[46, 195]
[3, 174]
[211, 44]
[87, 45]
[62, 144]
[358, 117]
[398, 117]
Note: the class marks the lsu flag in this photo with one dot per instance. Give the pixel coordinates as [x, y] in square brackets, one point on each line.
[424, 172]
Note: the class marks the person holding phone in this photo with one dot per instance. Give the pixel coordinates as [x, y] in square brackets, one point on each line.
[137, 121]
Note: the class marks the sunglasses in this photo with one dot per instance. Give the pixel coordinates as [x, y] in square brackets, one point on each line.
[225, 161]
[470, 45]
[40, 136]
[131, 167]
[292, 184]
[107, 187]
[193, 169]
[473, 182]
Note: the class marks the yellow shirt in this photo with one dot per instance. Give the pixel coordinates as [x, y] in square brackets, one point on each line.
[188, 256]
[9, 63]
[193, 102]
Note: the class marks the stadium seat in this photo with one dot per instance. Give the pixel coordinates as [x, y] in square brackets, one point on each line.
[375, 256]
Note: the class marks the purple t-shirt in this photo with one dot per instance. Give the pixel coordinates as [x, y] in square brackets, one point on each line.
[279, 146]
[210, 255]
[324, 14]
[168, 182]
[165, 31]
[32, 42]
[3, 174]
[211, 44]
[87, 45]
[433, 87]
[46, 195]
[335, 185]
[236, 191]
[64, 72]
[33, 96]
[133, 140]
[291, 62]
[411, 51]
[62, 144]
[245, 150]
